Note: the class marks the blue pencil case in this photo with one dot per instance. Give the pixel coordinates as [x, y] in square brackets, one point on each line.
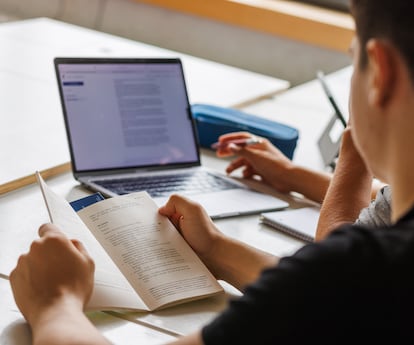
[212, 121]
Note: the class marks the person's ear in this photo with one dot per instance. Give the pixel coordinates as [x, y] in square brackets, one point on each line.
[381, 65]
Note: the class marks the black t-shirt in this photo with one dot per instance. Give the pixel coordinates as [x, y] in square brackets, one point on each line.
[355, 287]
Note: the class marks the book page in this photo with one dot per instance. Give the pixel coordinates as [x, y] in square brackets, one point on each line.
[149, 251]
[111, 290]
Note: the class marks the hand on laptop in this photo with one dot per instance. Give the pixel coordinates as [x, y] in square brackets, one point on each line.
[268, 163]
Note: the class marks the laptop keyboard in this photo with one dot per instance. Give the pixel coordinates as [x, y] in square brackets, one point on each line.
[165, 185]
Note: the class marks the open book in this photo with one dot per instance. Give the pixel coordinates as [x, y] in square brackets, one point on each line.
[142, 263]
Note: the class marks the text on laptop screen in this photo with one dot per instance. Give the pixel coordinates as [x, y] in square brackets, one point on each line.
[127, 115]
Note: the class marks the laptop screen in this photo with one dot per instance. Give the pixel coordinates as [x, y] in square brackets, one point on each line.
[126, 113]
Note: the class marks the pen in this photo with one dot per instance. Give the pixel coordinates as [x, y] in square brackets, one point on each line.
[331, 99]
[239, 142]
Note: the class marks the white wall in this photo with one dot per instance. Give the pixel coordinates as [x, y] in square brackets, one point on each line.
[262, 53]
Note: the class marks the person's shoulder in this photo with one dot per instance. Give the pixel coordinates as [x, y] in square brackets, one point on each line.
[357, 242]
[367, 244]
[378, 212]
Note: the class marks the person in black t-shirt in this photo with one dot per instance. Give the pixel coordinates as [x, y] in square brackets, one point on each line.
[353, 286]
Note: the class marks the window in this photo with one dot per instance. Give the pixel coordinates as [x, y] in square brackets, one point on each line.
[341, 5]
[285, 18]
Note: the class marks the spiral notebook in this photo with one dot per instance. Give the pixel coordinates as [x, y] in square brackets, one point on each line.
[300, 223]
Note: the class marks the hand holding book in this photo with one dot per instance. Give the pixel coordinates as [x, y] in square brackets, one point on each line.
[142, 262]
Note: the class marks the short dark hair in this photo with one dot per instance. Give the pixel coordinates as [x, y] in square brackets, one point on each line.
[391, 20]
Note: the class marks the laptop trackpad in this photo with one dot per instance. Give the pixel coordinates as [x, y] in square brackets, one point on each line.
[237, 202]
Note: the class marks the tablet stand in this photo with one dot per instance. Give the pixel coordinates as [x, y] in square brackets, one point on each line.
[330, 141]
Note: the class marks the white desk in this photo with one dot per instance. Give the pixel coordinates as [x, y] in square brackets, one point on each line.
[23, 210]
[32, 133]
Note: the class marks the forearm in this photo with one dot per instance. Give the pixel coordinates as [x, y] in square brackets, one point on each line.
[238, 263]
[65, 325]
[314, 185]
[345, 199]
[349, 192]
[310, 183]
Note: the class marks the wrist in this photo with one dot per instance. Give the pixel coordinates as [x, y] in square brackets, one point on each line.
[64, 322]
[46, 315]
[221, 252]
[349, 157]
[283, 179]
[311, 184]
[298, 178]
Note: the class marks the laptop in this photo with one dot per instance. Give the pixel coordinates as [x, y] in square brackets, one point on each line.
[128, 121]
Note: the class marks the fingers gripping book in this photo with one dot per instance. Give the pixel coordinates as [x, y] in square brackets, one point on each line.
[142, 263]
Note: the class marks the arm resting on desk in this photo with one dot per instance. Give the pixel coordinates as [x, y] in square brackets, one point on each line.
[238, 263]
[267, 162]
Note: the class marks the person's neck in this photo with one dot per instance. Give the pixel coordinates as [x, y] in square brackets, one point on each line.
[397, 123]
[402, 200]
[401, 173]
